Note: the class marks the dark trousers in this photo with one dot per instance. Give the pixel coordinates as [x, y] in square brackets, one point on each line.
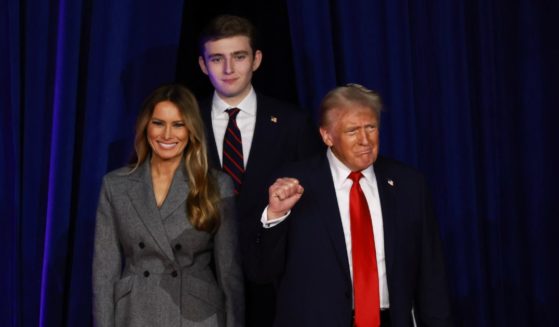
[385, 318]
[260, 304]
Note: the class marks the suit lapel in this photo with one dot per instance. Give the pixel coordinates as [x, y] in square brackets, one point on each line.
[142, 198]
[265, 132]
[206, 112]
[330, 214]
[387, 188]
[177, 193]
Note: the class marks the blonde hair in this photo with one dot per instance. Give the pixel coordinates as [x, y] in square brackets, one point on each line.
[344, 96]
[203, 195]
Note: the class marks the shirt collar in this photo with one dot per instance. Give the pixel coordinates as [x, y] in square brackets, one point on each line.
[340, 172]
[247, 105]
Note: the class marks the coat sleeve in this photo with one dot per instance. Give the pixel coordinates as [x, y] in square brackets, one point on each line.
[227, 256]
[107, 256]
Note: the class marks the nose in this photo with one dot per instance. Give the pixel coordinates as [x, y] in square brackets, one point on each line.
[167, 132]
[362, 137]
[229, 66]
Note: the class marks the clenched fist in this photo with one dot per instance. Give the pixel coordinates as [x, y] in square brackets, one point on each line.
[282, 196]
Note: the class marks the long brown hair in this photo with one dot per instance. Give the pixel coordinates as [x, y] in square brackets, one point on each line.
[203, 195]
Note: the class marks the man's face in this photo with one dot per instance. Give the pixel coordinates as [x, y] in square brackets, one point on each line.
[353, 135]
[229, 63]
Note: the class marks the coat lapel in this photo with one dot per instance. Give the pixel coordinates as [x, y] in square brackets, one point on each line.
[143, 199]
[330, 213]
[265, 132]
[387, 188]
[177, 193]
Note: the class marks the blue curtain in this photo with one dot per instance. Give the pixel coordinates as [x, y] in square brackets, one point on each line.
[471, 95]
[73, 76]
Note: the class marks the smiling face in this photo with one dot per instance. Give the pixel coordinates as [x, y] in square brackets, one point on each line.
[229, 63]
[352, 133]
[167, 134]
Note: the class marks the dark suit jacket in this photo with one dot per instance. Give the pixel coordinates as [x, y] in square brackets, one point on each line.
[151, 267]
[282, 134]
[307, 256]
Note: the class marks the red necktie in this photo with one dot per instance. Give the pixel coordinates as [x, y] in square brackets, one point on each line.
[233, 163]
[365, 273]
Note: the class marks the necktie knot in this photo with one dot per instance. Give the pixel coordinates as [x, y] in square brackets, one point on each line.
[355, 176]
[232, 112]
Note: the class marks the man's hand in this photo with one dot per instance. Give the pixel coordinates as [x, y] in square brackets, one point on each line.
[282, 196]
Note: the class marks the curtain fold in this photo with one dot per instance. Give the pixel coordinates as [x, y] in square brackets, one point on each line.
[77, 72]
[471, 96]
[470, 90]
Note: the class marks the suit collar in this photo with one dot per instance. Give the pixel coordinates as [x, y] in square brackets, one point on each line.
[143, 200]
[247, 105]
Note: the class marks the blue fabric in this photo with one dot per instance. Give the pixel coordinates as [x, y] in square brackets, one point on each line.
[471, 96]
[470, 90]
[69, 101]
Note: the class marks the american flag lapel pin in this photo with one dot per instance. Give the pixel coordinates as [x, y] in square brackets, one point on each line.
[390, 182]
[274, 119]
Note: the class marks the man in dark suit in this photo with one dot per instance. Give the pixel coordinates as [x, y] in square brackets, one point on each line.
[351, 237]
[249, 135]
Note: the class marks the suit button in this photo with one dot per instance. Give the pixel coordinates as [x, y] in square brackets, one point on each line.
[141, 245]
[178, 247]
[146, 273]
[174, 273]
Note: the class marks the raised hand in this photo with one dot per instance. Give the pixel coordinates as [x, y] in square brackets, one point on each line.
[282, 196]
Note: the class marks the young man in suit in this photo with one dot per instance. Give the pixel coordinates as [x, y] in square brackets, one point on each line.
[249, 135]
[349, 236]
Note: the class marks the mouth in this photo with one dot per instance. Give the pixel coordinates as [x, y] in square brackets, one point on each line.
[229, 81]
[167, 146]
[365, 152]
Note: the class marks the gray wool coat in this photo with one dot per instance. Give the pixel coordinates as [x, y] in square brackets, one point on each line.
[151, 267]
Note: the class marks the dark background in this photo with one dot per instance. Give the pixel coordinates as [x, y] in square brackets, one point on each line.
[471, 90]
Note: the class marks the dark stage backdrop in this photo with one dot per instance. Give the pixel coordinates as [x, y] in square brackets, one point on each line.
[471, 90]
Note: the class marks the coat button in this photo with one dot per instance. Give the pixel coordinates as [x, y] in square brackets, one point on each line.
[141, 245]
[174, 273]
[146, 273]
[178, 247]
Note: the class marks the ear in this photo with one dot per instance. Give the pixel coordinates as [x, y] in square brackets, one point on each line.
[326, 136]
[257, 60]
[202, 64]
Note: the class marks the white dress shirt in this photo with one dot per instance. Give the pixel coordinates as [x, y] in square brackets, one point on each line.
[342, 185]
[246, 120]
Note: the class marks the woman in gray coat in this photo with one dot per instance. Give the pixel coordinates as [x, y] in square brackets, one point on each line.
[166, 250]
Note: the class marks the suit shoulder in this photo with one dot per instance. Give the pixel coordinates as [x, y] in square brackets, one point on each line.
[303, 168]
[389, 166]
[279, 106]
[119, 173]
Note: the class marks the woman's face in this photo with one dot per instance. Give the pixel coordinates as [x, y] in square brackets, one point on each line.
[166, 132]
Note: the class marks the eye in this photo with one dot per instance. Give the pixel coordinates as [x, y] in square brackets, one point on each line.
[215, 60]
[178, 124]
[157, 123]
[241, 56]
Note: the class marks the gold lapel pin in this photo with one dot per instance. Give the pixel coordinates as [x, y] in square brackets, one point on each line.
[390, 182]
[274, 119]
